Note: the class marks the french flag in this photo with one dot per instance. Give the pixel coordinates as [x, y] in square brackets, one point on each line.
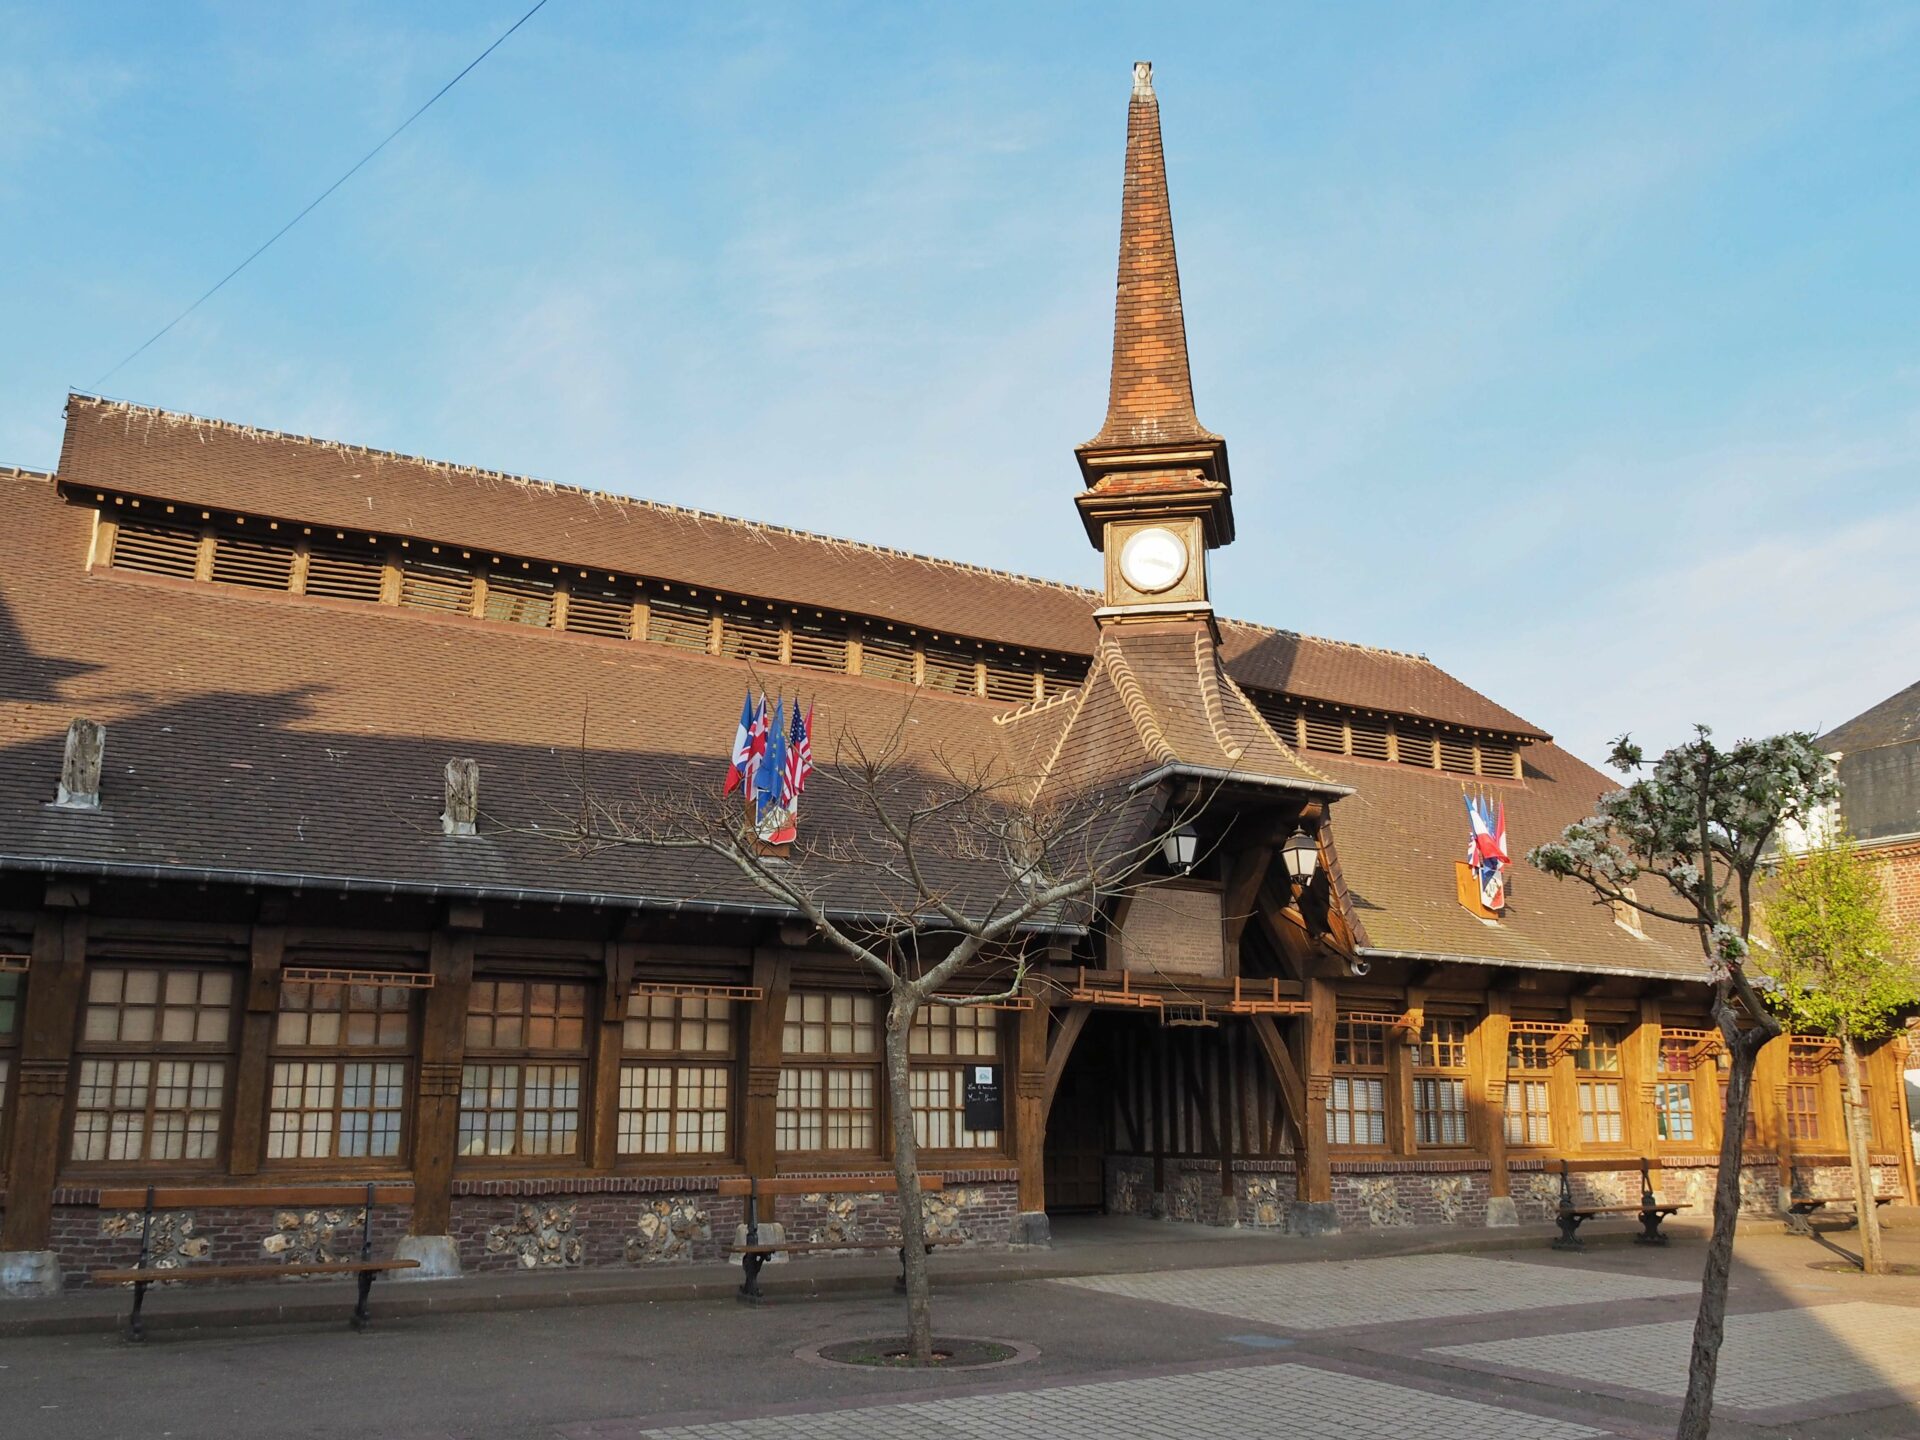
[740, 758]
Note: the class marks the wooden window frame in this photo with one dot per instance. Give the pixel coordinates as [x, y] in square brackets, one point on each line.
[1806, 1105]
[1349, 1073]
[925, 1062]
[1433, 1068]
[1674, 1074]
[525, 1060]
[1523, 1050]
[342, 1052]
[13, 1006]
[846, 1067]
[643, 1064]
[155, 1053]
[1591, 1080]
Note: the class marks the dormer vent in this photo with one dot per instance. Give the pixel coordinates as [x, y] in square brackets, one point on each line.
[463, 798]
[80, 761]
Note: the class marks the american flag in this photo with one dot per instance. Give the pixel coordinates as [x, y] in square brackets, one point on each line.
[799, 757]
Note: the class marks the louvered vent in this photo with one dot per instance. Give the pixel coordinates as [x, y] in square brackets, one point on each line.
[342, 574]
[1369, 737]
[750, 637]
[1499, 758]
[600, 612]
[1456, 756]
[820, 647]
[886, 660]
[679, 624]
[156, 550]
[950, 674]
[445, 588]
[519, 601]
[1326, 733]
[1414, 745]
[1010, 687]
[244, 560]
[1062, 678]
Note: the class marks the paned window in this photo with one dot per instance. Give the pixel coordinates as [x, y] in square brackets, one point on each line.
[526, 1052]
[1805, 1072]
[675, 1083]
[828, 1083]
[1529, 1107]
[1357, 1100]
[1597, 1069]
[1673, 1092]
[152, 1065]
[1440, 1083]
[946, 1043]
[339, 1072]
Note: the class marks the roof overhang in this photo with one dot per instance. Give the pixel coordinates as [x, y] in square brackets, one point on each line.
[1377, 952]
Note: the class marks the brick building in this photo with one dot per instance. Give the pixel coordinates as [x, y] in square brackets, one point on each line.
[248, 948]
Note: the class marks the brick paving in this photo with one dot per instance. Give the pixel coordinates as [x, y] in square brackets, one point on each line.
[1315, 1404]
[1773, 1359]
[1380, 1292]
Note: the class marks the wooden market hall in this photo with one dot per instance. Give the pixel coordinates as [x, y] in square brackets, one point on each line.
[259, 936]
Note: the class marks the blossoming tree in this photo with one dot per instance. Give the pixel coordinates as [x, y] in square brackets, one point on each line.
[1683, 842]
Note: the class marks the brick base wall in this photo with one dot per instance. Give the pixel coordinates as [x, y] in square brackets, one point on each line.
[87, 1238]
[564, 1228]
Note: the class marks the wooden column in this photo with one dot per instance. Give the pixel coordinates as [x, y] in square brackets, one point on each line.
[1487, 1091]
[1770, 1109]
[1640, 1067]
[772, 972]
[1313, 1163]
[603, 1122]
[246, 1144]
[55, 983]
[443, 1047]
[1886, 1069]
[1029, 1107]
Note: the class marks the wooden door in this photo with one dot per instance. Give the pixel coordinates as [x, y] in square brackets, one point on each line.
[1077, 1142]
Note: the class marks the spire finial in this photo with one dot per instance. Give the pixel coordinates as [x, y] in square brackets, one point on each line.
[1143, 80]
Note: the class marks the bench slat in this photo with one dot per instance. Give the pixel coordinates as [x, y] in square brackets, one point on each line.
[247, 1272]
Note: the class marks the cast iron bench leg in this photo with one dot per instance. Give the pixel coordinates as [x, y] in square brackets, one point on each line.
[135, 1330]
[361, 1319]
[1569, 1237]
[751, 1265]
[1650, 1232]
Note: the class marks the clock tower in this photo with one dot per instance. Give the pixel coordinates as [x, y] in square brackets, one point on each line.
[1158, 495]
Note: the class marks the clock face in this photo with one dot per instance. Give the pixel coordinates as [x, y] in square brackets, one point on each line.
[1153, 560]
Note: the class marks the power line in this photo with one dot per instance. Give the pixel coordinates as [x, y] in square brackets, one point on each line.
[314, 203]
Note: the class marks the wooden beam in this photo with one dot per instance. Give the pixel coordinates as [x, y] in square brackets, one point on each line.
[1293, 1091]
[1242, 895]
[1058, 1051]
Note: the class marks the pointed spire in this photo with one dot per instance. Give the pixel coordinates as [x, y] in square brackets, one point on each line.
[1151, 425]
[1150, 399]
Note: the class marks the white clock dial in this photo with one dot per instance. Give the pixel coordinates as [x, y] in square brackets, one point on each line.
[1153, 560]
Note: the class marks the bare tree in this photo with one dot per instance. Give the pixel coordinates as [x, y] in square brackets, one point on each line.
[924, 871]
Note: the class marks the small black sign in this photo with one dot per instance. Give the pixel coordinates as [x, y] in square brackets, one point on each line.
[985, 1110]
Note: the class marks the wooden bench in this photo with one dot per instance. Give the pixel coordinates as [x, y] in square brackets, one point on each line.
[1650, 1212]
[142, 1275]
[1802, 1208]
[754, 1253]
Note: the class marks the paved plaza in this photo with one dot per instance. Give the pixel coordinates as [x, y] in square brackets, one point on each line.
[1163, 1337]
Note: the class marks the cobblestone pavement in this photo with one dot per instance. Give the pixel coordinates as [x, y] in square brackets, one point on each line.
[1380, 1292]
[1271, 1399]
[1773, 1359]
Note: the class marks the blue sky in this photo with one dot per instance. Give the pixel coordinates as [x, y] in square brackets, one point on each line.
[1577, 347]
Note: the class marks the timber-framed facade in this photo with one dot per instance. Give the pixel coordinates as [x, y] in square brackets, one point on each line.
[252, 945]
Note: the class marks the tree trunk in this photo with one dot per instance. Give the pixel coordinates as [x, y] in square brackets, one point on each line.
[1710, 1323]
[906, 1173]
[1859, 1141]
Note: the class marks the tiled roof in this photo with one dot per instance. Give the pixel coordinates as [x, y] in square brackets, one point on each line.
[1894, 721]
[259, 735]
[111, 446]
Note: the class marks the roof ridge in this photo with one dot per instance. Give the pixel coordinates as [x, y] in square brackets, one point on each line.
[25, 472]
[479, 472]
